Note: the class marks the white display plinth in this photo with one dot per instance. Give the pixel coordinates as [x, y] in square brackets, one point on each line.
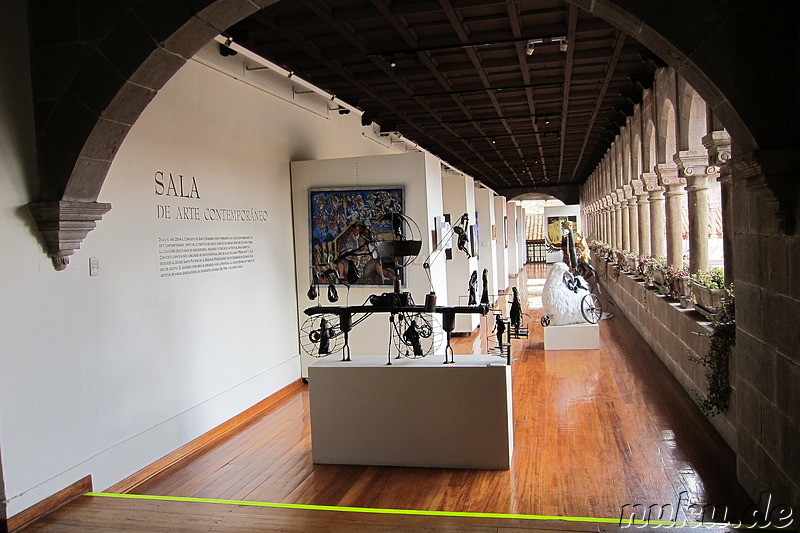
[572, 337]
[417, 412]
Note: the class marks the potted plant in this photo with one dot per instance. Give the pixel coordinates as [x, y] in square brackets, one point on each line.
[676, 282]
[631, 262]
[721, 342]
[708, 290]
[657, 266]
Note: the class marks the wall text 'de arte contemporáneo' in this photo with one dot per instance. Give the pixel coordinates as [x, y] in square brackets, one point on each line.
[182, 255]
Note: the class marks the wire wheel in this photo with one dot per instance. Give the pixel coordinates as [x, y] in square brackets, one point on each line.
[320, 335]
[545, 320]
[591, 308]
[416, 335]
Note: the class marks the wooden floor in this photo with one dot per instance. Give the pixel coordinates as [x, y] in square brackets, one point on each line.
[593, 430]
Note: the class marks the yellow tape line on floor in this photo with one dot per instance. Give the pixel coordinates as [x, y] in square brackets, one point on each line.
[401, 511]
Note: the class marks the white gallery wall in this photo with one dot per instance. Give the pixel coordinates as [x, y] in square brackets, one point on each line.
[487, 258]
[522, 249]
[501, 242]
[513, 249]
[459, 198]
[104, 374]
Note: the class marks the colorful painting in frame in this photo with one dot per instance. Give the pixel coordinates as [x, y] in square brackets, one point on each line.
[341, 222]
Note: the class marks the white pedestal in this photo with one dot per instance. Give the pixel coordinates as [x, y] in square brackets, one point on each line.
[414, 413]
[572, 337]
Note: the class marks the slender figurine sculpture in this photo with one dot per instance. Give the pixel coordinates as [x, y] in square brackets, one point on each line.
[500, 328]
[473, 288]
[485, 293]
[325, 332]
[515, 313]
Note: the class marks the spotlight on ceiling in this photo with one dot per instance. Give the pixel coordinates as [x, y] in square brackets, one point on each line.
[562, 43]
[531, 46]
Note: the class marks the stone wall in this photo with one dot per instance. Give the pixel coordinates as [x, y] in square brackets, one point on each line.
[675, 334]
[767, 286]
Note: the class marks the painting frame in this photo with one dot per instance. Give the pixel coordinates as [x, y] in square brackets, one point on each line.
[332, 216]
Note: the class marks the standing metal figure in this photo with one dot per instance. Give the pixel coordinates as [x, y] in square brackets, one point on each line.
[485, 293]
[515, 313]
[473, 288]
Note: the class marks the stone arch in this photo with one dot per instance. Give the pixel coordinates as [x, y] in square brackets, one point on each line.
[636, 154]
[666, 146]
[92, 81]
[649, 148]
[692, 120]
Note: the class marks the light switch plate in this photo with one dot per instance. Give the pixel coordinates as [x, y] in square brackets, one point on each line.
[94, 266]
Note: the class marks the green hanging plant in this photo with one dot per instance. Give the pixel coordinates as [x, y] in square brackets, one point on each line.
[720, 342]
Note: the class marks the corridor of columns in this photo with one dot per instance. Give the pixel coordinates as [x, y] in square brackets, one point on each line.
[594, 430]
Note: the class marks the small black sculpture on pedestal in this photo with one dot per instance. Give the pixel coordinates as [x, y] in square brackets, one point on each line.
[485, 293]
[473, 288]
[515, 313]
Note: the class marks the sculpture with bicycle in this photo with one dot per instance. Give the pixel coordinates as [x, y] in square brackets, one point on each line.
[387, 245]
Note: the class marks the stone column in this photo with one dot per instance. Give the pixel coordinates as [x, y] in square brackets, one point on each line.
[643, 211]
[694, 167]
[658, 226]
[718, 144]
[612, 211]
[697, 187]
[618, 242]
[674, 191]
[633, 220]
[626, 236]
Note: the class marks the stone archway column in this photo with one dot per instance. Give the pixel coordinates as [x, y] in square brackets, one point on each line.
[718, 145]
[643, 211]
[626, 236]
[658, 226]
[612, 219]
[617, 221]
[674, 191]
[633, 220]
[697, 188]
[694, 167]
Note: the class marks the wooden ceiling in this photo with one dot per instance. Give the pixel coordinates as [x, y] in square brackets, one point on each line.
[455, 77]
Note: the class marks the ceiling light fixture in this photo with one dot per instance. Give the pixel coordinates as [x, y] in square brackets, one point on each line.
[531, 46]
[562, 43]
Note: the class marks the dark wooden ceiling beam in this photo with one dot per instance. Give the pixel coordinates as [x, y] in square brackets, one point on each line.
[612, 65]
[301, 42]
[572, 23]
[401, 28]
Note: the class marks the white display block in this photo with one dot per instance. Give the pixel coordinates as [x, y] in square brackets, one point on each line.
[416, 412]
[572, 337]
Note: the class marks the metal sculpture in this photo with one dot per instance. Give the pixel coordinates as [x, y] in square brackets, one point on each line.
[485, 293]
[515, 314]
[473, 288]
[414, 329]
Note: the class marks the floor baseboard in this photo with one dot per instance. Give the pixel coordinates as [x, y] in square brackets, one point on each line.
[48, 505]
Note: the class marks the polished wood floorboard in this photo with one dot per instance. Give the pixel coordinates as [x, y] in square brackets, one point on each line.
[593, 430]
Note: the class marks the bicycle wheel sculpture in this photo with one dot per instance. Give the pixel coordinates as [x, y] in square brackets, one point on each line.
[320, 335]
[591, 308]
[416, 335]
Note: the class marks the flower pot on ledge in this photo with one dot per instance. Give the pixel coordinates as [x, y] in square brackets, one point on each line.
[658, 278]
[708, 302]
